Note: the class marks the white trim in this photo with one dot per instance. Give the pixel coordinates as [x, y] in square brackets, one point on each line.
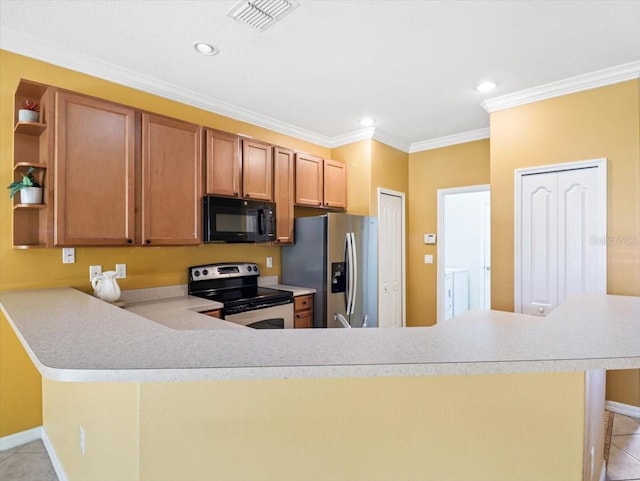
[624, 409]
[601, 164]
[603, 472]
[18, 439]
[391, 141]
[403, 242]
[579, 83]
[55, 461]
[440, 235]
[351, 137]
[448, 140]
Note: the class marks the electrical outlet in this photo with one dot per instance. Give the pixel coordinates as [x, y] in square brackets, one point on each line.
[94, 271]
[83, 438]
[68, 255]
[269, 262]
[121, 271]
[428, 259]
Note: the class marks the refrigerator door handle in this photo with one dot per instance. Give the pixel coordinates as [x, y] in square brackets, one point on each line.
[350, 270]
[347, 291]
[355, 273]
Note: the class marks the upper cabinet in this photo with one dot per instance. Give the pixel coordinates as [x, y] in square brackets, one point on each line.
[257, 170]
[97, 181]
[95, 166]
[335, 185]
[320, 182]
[283, 168]
[171, 181]
[238, 167]
[223, 164]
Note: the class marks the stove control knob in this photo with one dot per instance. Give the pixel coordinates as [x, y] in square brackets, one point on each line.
[196, 273]
[205, 272]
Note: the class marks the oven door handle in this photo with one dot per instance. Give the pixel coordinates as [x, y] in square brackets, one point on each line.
[255, 307]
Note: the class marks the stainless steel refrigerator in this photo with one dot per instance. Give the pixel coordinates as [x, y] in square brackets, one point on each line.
[337, 255]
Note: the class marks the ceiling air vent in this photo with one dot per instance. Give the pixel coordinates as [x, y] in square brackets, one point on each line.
[261, 14]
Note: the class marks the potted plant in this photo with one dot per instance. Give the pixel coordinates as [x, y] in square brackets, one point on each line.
[29, 188]
[30, 112]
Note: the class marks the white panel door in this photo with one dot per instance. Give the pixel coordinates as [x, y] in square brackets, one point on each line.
[578, 227]
[561, 221]
[391, 269]
[539, 243]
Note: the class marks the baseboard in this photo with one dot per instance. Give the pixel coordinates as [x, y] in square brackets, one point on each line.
[625, 409]
[55, 462]
[18, 439]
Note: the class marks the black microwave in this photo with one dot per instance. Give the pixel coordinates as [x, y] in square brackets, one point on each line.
[238, 220]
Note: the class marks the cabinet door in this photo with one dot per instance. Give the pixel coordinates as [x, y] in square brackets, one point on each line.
[257, 170]
[283, 194]
[223, 165]
[94, 178]
[309, 180]
[171, 181]
[335, 184]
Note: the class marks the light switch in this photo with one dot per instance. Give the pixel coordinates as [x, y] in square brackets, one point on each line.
[428, 259]
[429, 238]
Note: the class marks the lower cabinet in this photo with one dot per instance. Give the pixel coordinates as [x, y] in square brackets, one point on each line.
[214, 313]
[303, 311]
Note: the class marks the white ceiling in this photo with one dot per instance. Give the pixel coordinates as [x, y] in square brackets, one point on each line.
[411, 65]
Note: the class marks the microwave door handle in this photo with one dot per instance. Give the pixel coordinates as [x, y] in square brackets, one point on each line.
[261, 225]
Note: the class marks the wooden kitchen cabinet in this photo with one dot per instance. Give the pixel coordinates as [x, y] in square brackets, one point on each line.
[171, 181]
[257, 170]
[213, 313]
[303, 311]
[238, 167]
[223, 164]
[320, 182]
[33, 147]
[335, 184]
[283, 163]
[95, 168]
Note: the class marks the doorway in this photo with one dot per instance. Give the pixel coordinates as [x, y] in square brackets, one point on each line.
[463, 250]
[391, 259]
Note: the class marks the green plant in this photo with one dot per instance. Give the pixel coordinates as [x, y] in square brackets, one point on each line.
[29, 105]
[28, 180]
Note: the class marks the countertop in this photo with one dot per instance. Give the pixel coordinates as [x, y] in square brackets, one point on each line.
[72, 336]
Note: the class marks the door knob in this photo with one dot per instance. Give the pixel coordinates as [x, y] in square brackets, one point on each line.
[541, 310]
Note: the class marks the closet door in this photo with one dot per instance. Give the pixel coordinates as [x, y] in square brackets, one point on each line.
[539, 243]
[563, 229]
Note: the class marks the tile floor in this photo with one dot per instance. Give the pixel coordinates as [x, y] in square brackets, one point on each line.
[30, 462]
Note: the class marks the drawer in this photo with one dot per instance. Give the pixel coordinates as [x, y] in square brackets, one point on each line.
[302, 303]
[303, 320]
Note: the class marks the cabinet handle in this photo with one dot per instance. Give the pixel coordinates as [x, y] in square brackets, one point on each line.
[246, 195]
[148, 241]
[235, 194]
[129, 241]
[319, 203]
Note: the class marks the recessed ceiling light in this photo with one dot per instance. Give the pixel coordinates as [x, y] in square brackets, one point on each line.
[486, 86]
[367, 122]
[206, 49]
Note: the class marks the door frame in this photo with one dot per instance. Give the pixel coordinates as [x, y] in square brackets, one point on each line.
[601, 165]
[403, 247]
[441, 194]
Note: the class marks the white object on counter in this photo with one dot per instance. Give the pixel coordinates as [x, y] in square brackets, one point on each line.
[106, 287]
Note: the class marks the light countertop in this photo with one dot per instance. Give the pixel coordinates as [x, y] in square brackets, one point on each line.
[72, 336]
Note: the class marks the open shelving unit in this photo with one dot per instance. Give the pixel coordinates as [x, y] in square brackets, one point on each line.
[33, 147]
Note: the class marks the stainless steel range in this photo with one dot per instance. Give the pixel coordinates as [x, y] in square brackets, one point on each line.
[235, 285]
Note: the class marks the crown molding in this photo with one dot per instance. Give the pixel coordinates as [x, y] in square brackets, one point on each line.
[391, 141]
[351, 137]
[448, 140]
[600, 78]
[28, 46]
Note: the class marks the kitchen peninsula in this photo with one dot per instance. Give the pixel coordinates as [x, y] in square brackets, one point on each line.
[487, 396]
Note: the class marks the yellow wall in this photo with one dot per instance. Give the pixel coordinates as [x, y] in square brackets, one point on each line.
[146, 267]
[455, 166]
[389, 170]
[357, 156]
[603, 122]
[511, 427]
